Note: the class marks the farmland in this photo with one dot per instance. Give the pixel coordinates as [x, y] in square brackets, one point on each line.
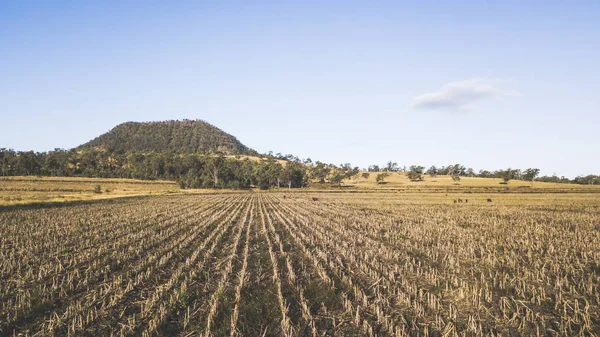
[22, 190]
[304, 264]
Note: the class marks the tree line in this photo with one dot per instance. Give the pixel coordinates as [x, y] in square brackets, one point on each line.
[215, 170]
[190, 170]
[416, 173]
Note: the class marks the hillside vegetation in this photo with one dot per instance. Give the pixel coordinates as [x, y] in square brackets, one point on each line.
[187, 136]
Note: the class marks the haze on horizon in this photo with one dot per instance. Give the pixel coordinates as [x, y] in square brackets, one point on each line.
[488, 85]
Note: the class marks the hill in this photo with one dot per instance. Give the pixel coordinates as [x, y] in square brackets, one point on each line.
[191, 136]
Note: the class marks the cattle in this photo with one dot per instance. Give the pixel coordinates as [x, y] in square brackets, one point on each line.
[460, 200]
[466, 201]
[284, 196]
[315, 199]
[489, 200]
[455, 201]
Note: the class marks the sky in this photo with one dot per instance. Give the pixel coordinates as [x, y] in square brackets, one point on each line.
[488, 84]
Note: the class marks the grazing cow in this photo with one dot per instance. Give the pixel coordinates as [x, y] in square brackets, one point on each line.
[460, 200]
[315, 199]
[489, 200]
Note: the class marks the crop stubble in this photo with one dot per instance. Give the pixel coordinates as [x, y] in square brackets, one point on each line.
[261, 264]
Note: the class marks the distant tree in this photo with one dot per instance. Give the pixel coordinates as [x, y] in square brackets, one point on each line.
[484, 174]
[268, 173]
[508, 174]
[415, 173]
[458, 169]
[590, 179]
[432, 171]
[374, 168]
[366, 175]
[530, 174]
[391, 166]
[293, 175]
[381, 177]
[320, 171]
[349, 171]
[336, 175]
[215, 163]
[456, 178]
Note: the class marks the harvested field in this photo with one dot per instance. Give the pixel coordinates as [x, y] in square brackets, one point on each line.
[303, 264]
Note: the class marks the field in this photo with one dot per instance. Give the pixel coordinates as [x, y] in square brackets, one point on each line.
[303, 264]
[28, 190]
[399, 181]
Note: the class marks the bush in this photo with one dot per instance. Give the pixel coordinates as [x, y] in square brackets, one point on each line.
[98, 189]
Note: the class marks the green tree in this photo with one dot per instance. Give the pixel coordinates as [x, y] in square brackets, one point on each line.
[214, 165]
[392, 166]
[381, 177]
[320, 171]
[366, 175]
[508, 174]
[336, 175]
[293, 174]
[531, 173]
[415, 173]
[432, 171]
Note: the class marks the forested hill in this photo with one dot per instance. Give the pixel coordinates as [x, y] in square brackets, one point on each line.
[191, 136]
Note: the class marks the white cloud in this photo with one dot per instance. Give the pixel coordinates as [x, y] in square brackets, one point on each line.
[459, 95]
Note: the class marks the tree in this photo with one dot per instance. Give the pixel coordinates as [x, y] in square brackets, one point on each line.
[7, 157]
[374, 168]
[267, 173]
[415, 173]
[432, 171]
[293, 174]
[458, 169]
[381, 177]
[456, 178]
[336, 176]
[391, 166]
[349, 171]
[508, 174]
[531, 173]
[320, 171]
[485, 174]
[366, 175]
[215, 163]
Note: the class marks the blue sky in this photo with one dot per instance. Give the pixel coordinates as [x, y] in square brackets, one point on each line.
[490, 85]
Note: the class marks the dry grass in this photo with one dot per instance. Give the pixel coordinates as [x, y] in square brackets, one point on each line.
[399, 180]
[256, 159]
[26, 190]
